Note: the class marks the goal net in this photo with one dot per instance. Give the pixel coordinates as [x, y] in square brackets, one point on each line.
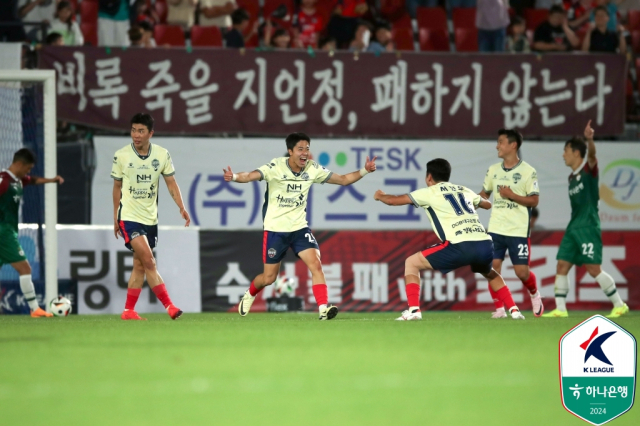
[28, 120]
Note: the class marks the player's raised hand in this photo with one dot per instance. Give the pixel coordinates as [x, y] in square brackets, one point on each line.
[185, 215]
[370, 165]
[588, 131]
[378, 194]
[228, 174]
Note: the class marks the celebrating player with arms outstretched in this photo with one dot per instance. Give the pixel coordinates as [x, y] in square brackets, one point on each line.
[12, 182]
[284, 215]
[514, 184]
[137, 167]
[582, 241]
[451, 210]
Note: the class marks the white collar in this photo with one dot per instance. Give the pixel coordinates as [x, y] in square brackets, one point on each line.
[579, 169]
[10, 174]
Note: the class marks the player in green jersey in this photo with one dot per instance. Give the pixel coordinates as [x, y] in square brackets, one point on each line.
[582, 241]
[12, 182]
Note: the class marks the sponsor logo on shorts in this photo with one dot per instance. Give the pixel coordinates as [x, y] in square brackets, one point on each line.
[134, 235]
[272, 253]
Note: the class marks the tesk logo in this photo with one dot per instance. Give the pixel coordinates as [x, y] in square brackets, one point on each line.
[595, 348]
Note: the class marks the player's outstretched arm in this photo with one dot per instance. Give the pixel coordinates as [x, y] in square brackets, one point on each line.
[242, 177]
[392, 200]
[353, 177]
[484, 203]
[117, 194]
[591, 145]
[37, 180]
[174, 190]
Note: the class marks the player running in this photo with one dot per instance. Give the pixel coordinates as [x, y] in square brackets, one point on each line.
[582, 241]
[514, 184]
[451, 210]
[12, 183]
[137, 167]
[285, 218]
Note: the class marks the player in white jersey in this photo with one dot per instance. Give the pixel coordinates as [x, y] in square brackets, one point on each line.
[284, 216]
[514, 184]
[451, 210]
[136, 173]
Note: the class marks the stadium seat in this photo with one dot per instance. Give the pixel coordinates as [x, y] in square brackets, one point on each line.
[162, 10]
[403, 21]
[466, 39]
[535, 17]
[433, 18]
[635, 41]
[464, 17]
[436, 40]
[90, 32]
[169, 34]
[206, 36]
[392, 10]
[271, 5]
[403, 38]
[89, 12]
[634, 20]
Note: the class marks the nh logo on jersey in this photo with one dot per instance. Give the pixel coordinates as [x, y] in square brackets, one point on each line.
[143, 178]
[294, 188]
[591, 388]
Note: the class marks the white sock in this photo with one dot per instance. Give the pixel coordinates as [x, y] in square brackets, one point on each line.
[322, 308]
[414, 308]
[29, 291]
[606, 283]
[561, 290]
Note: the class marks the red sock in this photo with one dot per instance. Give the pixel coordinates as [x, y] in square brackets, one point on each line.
[132, 298]
[253, 290]
[504, 294]
[320, 293]
[530, 284]
[413, 294]
[161, 292]
[496, 301]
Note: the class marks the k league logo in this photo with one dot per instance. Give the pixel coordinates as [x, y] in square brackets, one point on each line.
[598, 370]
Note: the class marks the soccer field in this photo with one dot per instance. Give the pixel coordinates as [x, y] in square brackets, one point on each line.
[453, 368]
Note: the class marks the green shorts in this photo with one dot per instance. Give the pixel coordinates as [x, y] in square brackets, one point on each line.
[581, 246]
[10, 249]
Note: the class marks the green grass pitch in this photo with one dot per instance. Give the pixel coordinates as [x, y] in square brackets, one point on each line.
[453, 368]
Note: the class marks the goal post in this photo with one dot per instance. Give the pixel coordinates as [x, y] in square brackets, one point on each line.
[48, 80]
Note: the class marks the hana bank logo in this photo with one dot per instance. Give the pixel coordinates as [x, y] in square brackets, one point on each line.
[620, 187]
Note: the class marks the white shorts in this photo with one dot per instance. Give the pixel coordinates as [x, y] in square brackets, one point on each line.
[113, 33]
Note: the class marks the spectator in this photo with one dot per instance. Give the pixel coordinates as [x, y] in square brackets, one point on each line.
[327, 44]
[113, 23]
[66, 26]
[546, 4]
[601, 39]
[535, 213]
[612, 7]
[308, 23]
[360, 41]
[278, 39]
[345, 20]
[147, 34]
[143, 13]
[452, 4]
[578, 12]
[135, 36]
[216, 13]
[9, 14]
[554, 35]
[413, 5]
[518, 41]
[492, 20]
[181, 12]
[235, 38]
[54, 39]
[36, 11]
[383, 39]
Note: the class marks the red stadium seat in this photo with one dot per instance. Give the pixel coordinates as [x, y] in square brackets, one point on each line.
[433, 18]
[634, 20]
[403, 38]
[271, 5]
[436, 40]
[90, 32]
[392, 10]
[89, 12]
[403, 21]
[169, 34]
[635, 41]
[162, 10]
[206, 36]
[466, 39]
[464, 17]
[535, 17]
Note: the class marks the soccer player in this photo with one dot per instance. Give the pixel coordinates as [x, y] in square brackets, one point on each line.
[514, 184]
[285, 217]
[12, 183]
[451, 210]
[582, 241]
[137, 168]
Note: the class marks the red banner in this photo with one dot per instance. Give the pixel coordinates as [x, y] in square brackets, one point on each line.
[364, 272]
[204, 91]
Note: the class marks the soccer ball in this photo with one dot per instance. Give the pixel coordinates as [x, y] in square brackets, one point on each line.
[60, 306]
[284, 286]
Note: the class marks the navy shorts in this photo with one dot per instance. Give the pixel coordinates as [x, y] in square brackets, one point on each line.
[276, 244]
[518, 248]
[131, 230]
[445, 257]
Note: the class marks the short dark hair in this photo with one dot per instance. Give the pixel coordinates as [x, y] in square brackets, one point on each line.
[24, 155]
[601, 9]
[512, 135]
[382, 24]
[135, 33]
[577, 143]
[556, 8]
[324, 41]
[293, 139]
[535, 212]
[146, 26]
[439, 169]
[144, 119]
[238, 16]
[517, 20]
[52, 38]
